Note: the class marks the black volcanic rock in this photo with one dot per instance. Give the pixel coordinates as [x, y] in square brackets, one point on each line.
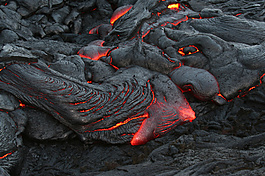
[211, 50]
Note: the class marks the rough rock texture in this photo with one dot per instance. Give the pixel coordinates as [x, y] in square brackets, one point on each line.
[211, 50]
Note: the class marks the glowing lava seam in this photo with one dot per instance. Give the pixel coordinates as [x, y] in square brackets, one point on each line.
[4, 156]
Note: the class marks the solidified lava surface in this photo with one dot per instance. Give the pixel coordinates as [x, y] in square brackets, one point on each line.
[132, 87]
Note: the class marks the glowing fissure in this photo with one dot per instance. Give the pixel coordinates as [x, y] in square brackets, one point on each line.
[4, 156]
[82, 102]
[177, 22]
[95, 29]
[181, 50]
[251, 88]
[116, 68]
[119, 12]
[96, 48]
[2, 69]
[22, 105]
[220, 95]
[174, 6]
[121, 123]
[134, 140]
[153, 99]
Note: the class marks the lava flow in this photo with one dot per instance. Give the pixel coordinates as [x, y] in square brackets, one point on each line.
[94, 50]
[4, 156]
[176, 7]
[191, 49]
[162, 117]
[119, 12]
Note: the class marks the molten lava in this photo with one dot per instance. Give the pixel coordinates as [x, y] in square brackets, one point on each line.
[94, 50]
[22, 105]
[184, 53]
[121, 123]
[162, 117]
[95, 29]
[174, 6]
[119, 12]
[4, 156]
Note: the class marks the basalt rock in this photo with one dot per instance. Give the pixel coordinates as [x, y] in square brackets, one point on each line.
[144, 70]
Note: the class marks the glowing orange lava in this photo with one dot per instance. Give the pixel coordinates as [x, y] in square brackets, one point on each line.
[162, 117]
[243, 94]
[187, 114]
[135, 140]
[121, 123]
[174, 6]
[95, 30]
[22, 105]
[181, 50]
[220, 95]
[119, 12]
[2, 157]
[116, 68]
[94, 50]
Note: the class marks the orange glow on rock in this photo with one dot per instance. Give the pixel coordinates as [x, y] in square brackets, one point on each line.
[162, 117]
[261, 77]
[95, 30]
[22, 105]
[4, 156]
[121, 123]
[177, 22]
[187, 114]
[220, 95]
[116, 68]
[137, 138]
[182, 53]
[119, 12]
[243, 94]
[94, 50]
[174, 6]
[2, 69]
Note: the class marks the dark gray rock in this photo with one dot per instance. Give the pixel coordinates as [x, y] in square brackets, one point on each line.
[140, 12]
[8, 102]
[51, 47]
[105, 9]
[42, 126]
[251, 30]
[98, 70]
[31, 6]
[60, 14]
[56, 2]
[72, 66]
[55, 28]
[144, 55]
[222, 140]
[71, 16]
[12, 5]
[11, 52]
[77, 25]
[8, 145]
[8, 36]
